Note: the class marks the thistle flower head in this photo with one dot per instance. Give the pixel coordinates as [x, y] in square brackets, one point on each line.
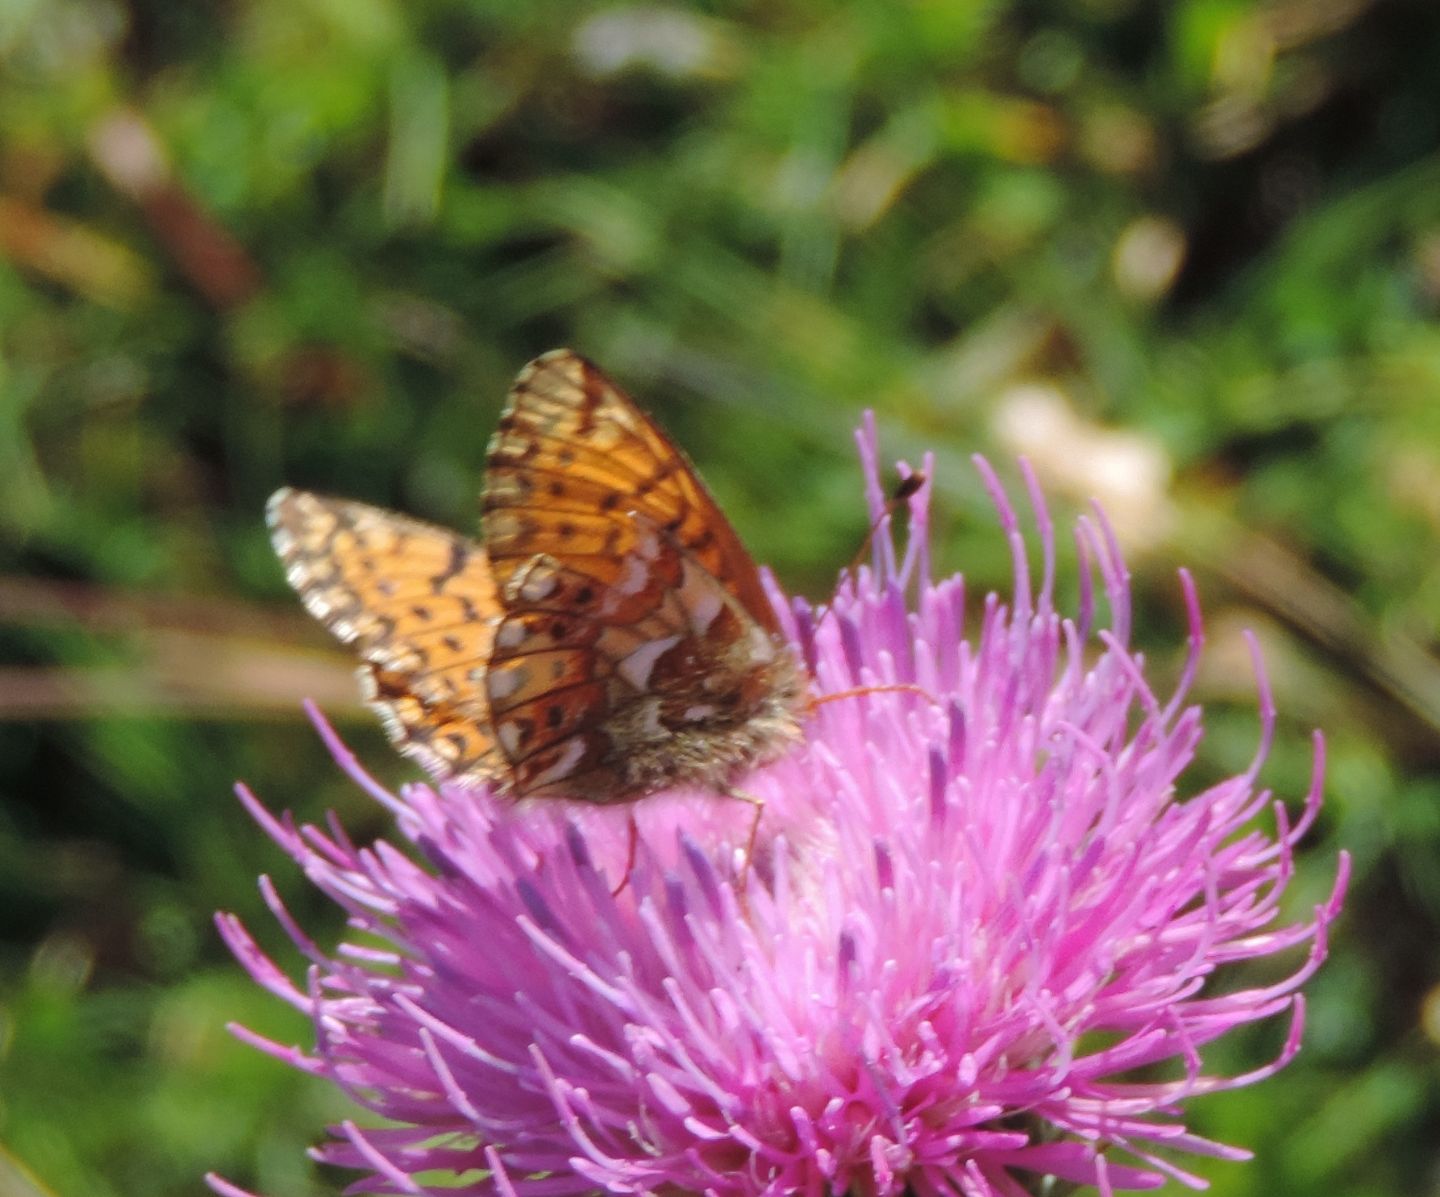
[972, 946]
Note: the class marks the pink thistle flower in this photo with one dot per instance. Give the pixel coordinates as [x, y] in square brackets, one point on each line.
[975, 936]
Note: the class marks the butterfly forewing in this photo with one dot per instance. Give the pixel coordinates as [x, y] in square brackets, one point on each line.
[571, 436]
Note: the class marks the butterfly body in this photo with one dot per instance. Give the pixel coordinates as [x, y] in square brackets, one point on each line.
[608, 637]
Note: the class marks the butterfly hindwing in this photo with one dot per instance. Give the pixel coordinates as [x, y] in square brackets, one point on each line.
[418, 605]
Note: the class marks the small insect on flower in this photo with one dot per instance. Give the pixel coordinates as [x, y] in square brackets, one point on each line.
[607, 638]
[988, 941]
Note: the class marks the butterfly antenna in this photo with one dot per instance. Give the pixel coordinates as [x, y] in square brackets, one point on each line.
[903, 490]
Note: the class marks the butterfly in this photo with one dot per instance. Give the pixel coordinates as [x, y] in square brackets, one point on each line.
[607, 637]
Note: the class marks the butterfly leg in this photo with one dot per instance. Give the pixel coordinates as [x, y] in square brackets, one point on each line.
[759, 807]
[632, 836]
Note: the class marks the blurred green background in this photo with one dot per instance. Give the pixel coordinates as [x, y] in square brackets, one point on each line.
[1184, 255]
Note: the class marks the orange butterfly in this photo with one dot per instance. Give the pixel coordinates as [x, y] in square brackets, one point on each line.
[608, 638]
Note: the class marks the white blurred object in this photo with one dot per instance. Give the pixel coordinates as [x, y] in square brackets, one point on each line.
[1148, 257]
[1127, 472]
[669, 41]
